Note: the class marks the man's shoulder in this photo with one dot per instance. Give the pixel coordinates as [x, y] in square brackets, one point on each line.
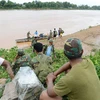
[35, 59]
[25, 57]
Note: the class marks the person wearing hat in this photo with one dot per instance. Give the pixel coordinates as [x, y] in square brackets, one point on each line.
[21, 60]
[49, 49]
[81, 81]
[28, 35]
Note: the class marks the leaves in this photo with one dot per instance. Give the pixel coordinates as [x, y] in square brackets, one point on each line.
[58, 61]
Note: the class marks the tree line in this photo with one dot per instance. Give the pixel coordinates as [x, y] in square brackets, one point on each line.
[44, 5]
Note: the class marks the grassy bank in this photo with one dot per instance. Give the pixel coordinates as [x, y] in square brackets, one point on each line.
[58, 61]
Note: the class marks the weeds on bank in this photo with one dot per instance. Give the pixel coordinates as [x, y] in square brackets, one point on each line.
[58, 60]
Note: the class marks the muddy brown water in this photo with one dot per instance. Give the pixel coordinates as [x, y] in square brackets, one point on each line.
[14, 24]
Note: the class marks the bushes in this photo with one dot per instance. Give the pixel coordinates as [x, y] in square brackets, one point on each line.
[96, 60]
[58, 61]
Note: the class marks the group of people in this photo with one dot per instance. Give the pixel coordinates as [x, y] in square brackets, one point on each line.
[80, 81]
[34, 35]
[54, 33]
[42, 63]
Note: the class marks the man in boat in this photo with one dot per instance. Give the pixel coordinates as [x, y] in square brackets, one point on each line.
[36, 34]
[28, 35]
[7, 66]
[21, 60]
[41, 63]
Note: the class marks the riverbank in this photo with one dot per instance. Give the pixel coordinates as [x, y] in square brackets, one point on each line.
[22, 21]
[90, 39]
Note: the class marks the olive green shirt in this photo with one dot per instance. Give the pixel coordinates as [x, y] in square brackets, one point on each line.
[42, 66]
[81, 83]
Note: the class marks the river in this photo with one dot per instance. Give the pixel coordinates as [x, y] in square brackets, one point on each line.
[15, 24]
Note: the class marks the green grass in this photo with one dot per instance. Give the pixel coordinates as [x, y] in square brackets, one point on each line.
[58, 61]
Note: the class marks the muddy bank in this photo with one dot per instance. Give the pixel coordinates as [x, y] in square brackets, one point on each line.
[90, 39]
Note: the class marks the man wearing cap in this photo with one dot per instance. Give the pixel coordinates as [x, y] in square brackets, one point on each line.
[21, 60]
[81, 81]
[49, 49]
[7, 66]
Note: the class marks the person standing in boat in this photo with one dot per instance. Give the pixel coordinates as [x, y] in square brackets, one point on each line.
[36, 34]
[28, 35]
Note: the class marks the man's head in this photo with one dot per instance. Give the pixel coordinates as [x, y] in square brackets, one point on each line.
[38, 47]
[51, 41]
[73, 48]
[21, 52]
[54, 28]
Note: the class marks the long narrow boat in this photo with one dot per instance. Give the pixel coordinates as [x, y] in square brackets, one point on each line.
[29, 40]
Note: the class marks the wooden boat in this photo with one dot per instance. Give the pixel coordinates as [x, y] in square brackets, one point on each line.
[23, 40]
[30, 39]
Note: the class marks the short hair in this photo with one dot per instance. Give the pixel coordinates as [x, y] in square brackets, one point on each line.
[73, 48]
[38, 47]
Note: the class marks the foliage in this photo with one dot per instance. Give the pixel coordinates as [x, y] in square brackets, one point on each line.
[96, 61]
[44, 5]
[58, 61]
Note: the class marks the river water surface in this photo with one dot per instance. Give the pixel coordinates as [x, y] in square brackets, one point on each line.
[15, 24]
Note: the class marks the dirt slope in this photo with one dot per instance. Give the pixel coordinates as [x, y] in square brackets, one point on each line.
[90, 39]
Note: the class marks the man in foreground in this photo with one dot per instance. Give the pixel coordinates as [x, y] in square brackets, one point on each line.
[7, 66]
[81, 81]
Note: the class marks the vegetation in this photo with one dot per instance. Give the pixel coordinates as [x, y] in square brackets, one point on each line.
[59, 60]
[44, 5]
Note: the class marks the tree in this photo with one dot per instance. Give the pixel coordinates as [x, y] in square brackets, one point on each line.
[2, 3]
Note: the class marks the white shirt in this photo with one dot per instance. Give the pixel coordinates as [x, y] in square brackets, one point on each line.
[1, 60]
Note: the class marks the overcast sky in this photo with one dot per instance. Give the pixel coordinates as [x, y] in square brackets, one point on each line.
[78, 2]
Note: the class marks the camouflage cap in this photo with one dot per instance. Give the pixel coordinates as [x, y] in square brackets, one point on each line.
[21, 52]
[50, 40]
[73, 47]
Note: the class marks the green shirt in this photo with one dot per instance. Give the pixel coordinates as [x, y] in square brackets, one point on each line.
[42, 66]
[22, 61]
[81, 83]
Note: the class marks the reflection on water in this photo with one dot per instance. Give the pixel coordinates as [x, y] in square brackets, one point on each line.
[15, 24]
